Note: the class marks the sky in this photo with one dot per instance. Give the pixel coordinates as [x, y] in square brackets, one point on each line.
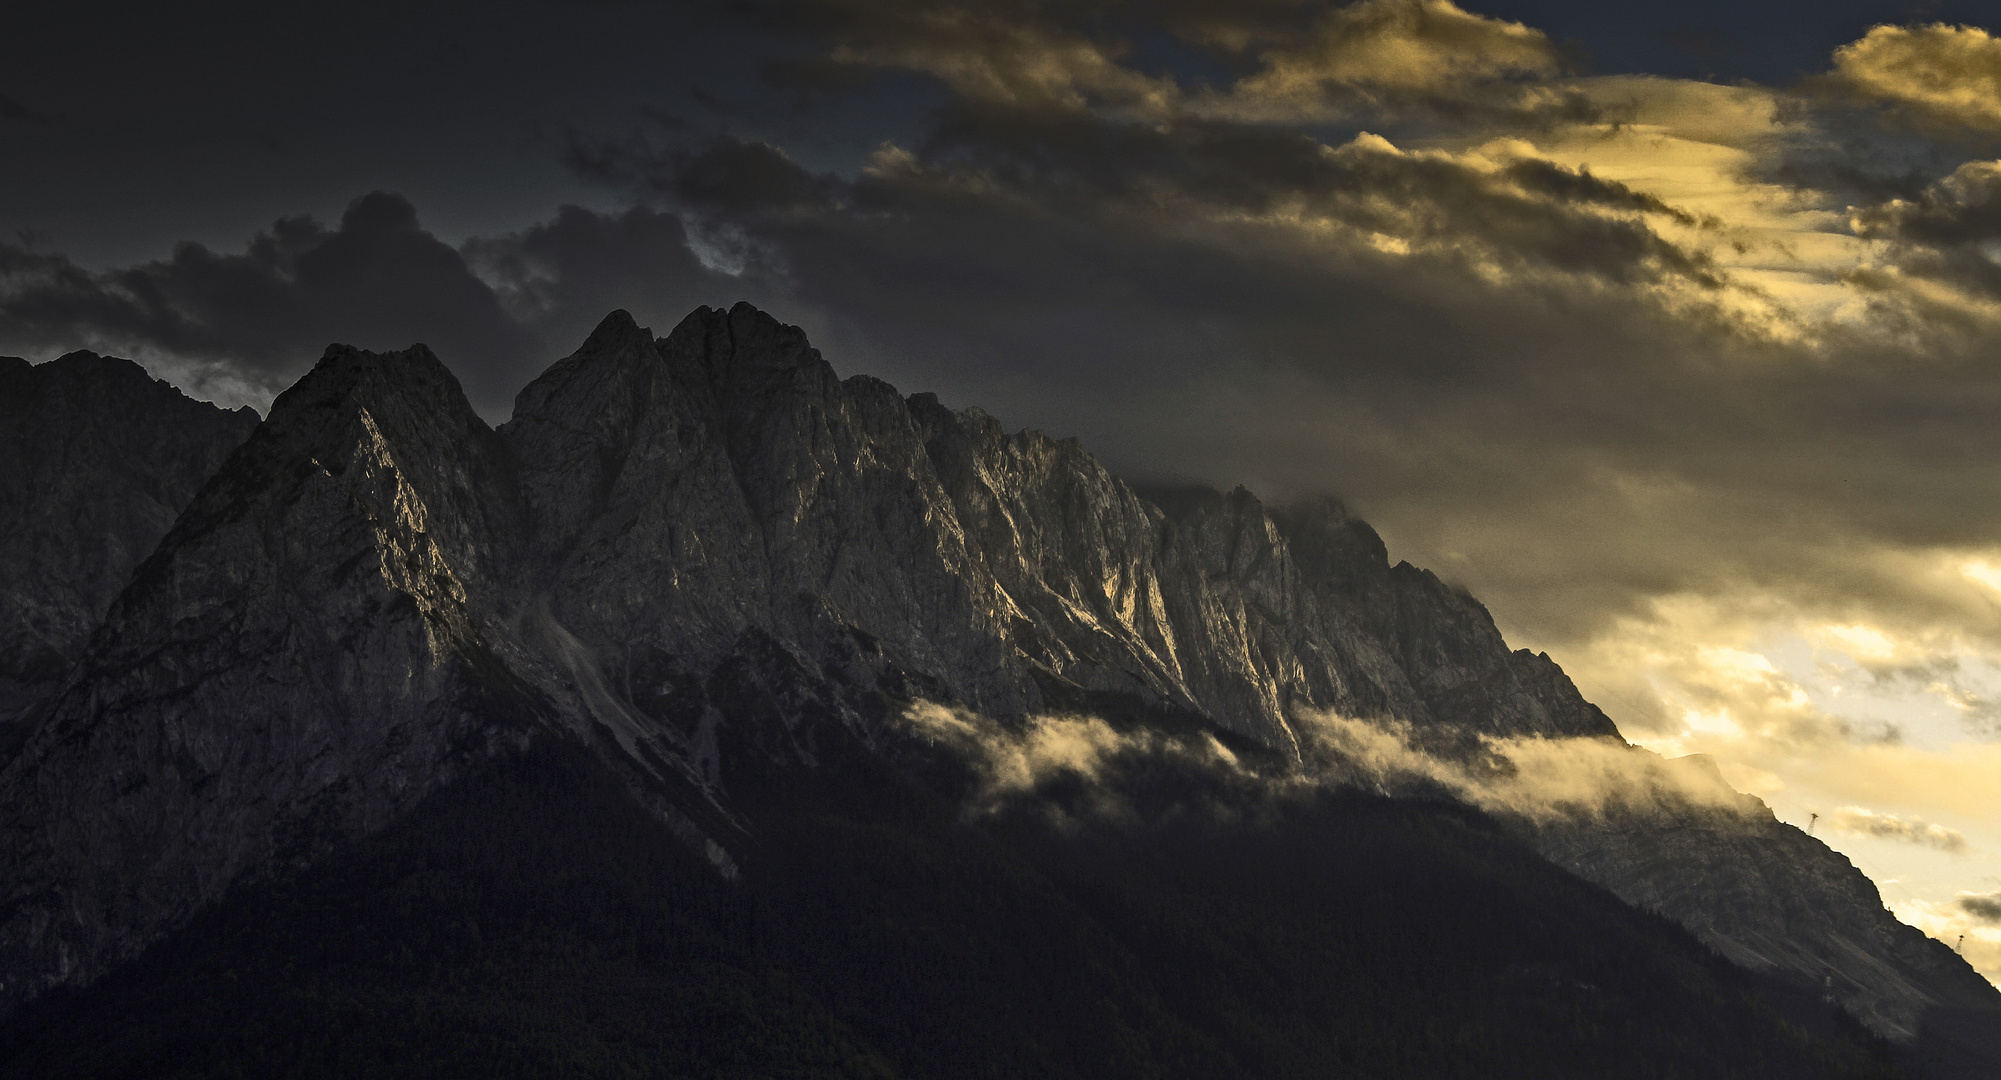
[1673, 333]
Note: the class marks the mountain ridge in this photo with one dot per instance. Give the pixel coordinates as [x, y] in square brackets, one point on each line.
[701, 553]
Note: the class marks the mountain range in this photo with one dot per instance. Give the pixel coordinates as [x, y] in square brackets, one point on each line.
[716, 715]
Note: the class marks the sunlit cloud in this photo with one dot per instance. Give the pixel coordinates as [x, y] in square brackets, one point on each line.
[1534, 778]
[995, 56]
[1378, 52]
[1947, 75]
[1016, 760]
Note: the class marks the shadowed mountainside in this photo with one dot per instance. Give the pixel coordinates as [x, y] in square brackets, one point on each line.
[97, 459]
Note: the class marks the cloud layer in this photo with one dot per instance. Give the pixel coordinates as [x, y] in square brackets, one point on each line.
[1583, 343]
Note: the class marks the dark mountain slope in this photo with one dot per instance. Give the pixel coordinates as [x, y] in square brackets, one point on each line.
[532, 920]
[97, 459]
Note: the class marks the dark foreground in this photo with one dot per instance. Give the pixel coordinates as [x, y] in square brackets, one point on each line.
[532, 920]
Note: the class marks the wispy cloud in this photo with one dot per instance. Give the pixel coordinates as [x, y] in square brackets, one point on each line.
[1865, 822]
[1538, 779]
[1017, 760]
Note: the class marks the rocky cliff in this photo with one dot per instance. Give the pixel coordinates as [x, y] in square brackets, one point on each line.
[684, 550]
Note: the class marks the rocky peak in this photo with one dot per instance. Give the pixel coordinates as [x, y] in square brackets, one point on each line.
[396, 432]
[1334, 548]
[410, 397]
[618, 354]
[745, 350]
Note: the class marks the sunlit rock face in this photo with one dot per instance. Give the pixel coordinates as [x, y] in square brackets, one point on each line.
[97, 459]
[722, 481]
[689, 551]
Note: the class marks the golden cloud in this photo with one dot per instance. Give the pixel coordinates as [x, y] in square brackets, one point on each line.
[1539, 779]
[1388, 47]
[1947, 75]
[1016, 760]
[985, 56]
[1536, 778]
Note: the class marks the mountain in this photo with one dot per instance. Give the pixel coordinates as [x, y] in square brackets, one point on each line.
[705, 624]
[97, 458]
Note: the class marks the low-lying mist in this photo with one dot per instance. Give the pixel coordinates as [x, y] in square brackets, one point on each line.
[1093, 762]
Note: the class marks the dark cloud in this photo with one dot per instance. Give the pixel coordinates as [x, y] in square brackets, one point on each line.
[1534, 215]
[1986, 908]
[254, 319]
[1860, 821]
[1963, 208]
[1579, 186]
[808, 75]
[1528, 375]
[1948, 233]
[1843, 177]
[727, 173]
[242, 325]
[1470, 352]
[558, 278]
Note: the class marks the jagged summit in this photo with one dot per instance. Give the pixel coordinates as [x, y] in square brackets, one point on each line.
[616, 328]
[347, 375]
